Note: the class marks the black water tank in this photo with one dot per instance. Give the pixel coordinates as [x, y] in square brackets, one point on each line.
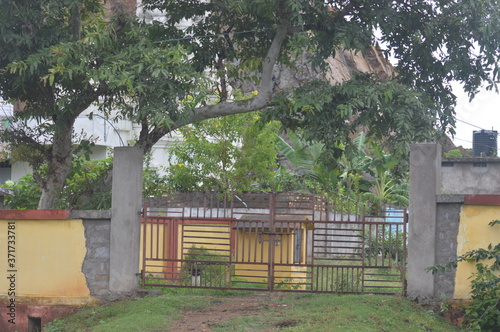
[485, 143]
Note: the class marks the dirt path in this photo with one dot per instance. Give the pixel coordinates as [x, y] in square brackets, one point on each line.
[223, 309]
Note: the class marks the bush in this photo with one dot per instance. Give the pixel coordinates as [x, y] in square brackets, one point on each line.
[27, 194]
[483, 314]
[211, 274]
[387, 245]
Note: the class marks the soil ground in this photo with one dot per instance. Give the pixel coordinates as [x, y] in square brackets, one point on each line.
[223, 309]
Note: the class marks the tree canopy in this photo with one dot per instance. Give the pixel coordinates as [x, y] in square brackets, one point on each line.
[231, 153]
[60, 56]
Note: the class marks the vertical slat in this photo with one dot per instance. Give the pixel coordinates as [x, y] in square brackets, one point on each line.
[157, 238]
[392, 245]
[255, 242]
[383, 244]
[238, 242]
[151, 240]
[243, 242]
[144, 254]
[376, 243]
[403, 258]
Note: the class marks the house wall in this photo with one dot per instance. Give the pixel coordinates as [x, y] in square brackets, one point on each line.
[478, 175]
[54, 262]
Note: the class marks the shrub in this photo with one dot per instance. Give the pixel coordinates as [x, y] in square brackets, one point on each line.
[483, 314]
[203, 263]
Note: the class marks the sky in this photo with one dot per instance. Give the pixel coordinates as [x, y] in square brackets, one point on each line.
[483, 112]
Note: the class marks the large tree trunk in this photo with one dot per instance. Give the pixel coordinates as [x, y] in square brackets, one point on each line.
[58, 167]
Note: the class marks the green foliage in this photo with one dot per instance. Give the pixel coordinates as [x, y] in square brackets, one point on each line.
[386, 244]
[229, 153]
[345, 175]
[310, 170]
[415, 34]
[154, 184]
[392, 115]
[483, 314]
[284, 181]
[27, 194]
[384, 190]
[211, 274]
[59, 57]
[455, 153]
[85, 188]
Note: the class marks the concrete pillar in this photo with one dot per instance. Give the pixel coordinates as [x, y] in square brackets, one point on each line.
[125, 219]
[425, 184]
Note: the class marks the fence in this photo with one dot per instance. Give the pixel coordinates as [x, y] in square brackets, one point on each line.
[272, 241]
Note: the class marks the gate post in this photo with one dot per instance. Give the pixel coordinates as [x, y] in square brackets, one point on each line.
[425, 184]
[126, 206]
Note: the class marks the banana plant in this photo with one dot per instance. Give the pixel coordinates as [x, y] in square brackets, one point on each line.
[306, 157]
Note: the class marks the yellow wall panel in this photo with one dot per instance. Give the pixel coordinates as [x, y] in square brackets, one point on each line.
[474, 233]
[48, 260]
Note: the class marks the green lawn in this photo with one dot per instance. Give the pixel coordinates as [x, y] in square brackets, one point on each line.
[308, 312]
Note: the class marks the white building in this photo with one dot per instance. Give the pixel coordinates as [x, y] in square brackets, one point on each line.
[105, 133]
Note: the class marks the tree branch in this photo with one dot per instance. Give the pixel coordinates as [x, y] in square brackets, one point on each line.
[265, 89]
[262, 100]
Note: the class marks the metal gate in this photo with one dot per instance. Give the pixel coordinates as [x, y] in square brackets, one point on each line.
[273, 241]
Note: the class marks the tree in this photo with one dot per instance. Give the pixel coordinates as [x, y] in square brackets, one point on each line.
[241, 42]
[58, 58]
[231, 153]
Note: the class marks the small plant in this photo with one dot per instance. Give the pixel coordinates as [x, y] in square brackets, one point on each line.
[347, 283]
[443, 305]
[205, 268]
[483, 314]
[388, 244]
[288, 284]
[336, 279]
[55, 326]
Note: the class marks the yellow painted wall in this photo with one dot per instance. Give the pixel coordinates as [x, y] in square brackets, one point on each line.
[48, 262]
[156, 246]
[249, 248]
[474, 233]
[157, 237]
[204, 235]
[254, 248]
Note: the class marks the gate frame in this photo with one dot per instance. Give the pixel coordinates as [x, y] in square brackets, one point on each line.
[177, 217]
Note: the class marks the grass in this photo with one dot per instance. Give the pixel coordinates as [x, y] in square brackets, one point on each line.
[331, 312]
[152, 313]
[347, 276]
[299, 312]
